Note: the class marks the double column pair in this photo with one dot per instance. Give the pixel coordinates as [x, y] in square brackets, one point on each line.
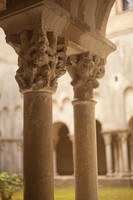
[42, 60]
[119, 154]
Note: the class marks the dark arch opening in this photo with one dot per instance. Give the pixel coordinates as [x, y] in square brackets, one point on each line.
[130, 143]
[63, 149]
[101, 156]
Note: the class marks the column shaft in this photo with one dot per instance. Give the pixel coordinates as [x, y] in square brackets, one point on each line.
[55, 163]
[125, 157]
[85, 151]
[108, 149]
[109, 161]
[38, 146]
[116, 163]
[120, 157]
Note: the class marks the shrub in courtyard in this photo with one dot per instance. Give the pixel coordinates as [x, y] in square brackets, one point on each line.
[8, 185]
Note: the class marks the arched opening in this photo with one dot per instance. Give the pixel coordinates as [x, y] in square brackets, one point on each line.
[128, 96]
[101, 156]
[130, 143]
[63, 150]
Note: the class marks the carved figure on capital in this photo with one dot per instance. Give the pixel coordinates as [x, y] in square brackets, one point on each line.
[85, 69]
[41, 59]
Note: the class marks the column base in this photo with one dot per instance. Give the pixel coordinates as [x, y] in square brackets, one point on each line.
[110, 174]
[123, 174]
[126, 174]
[56, 174]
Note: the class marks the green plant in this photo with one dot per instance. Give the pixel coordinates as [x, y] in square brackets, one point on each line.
[8, 185]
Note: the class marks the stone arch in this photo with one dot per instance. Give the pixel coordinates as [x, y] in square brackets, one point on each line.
[101, 156]
[63, 149]
[102, 13]
[128, 105]
[82, 11]
[130, 143]
[66, 100]
[66, 105]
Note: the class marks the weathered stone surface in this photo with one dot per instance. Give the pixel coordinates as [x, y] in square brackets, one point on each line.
[86, 186]
[41, 59]
[64, 4]
[38, 146]
[84, 69]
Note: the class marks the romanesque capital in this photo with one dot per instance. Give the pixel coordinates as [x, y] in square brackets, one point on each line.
[84, 70]
[41, 59]
[107, 139]
[123, 137]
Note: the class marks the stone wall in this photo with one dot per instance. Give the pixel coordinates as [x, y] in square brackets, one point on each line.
[114, 107]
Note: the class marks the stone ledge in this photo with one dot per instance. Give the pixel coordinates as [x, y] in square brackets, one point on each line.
[103, 182]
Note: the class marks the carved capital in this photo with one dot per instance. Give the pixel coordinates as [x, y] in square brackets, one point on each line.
[107, 139]
[84, 70]
[41, 59]
[123, 137]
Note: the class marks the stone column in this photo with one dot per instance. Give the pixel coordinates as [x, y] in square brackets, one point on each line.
[84, 69]
[120, 156]
[41, 62]
[124, 137]
[116, 157]
[55, 163]
[108, 149]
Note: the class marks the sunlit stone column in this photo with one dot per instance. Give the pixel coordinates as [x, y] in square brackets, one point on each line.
[55, 163]
[124, 137]
[108, 149]
[120, 156]
[84, 69]
[116, 157]
[41, 63]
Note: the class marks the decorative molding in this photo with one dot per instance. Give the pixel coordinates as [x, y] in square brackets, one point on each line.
[41, 59]
[84, 70]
